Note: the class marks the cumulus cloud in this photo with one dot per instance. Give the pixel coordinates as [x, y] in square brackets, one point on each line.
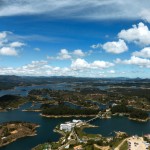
[35, 68]
[142, 62]
[64, 54]
[9, 48]
[78, 67]
[81, 64]
[145, 15]
[115, 47]
[16, 44]
[8, 51]
[145, 53]
[101, 64]
[35, 64]
[78, 52]
[87, 9]
[38, 68]
[138, 33]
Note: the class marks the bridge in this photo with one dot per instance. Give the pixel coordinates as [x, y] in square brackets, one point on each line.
[97, 116]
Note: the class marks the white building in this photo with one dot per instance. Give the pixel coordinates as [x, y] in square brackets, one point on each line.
[76, 121]
[67, 126]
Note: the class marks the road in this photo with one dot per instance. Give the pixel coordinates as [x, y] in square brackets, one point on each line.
[118, 147]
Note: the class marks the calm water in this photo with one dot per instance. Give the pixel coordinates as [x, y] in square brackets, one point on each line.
[45, 131]
[106, 127]
[73, 106]
[23, 90]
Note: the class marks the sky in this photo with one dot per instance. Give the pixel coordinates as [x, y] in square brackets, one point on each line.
[86, 38]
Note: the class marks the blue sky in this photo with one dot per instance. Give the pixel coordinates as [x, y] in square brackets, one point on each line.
[89, 38]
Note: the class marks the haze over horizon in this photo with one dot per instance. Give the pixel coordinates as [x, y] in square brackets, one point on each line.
[86, 38]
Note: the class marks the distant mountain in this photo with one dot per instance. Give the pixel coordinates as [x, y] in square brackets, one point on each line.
[10, 81]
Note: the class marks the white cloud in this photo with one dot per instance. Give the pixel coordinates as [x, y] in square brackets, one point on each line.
[142, 62]
[35, 64]
[8, 51]
[115, 47]
[87, 9]
[9, 48]
[94, 46]
[79, 53]
[37, 49]
[139, 34]
[3, 37]
[101, 64]
[64, 54]
[78, 67]
[145, 15]
[16, 44]
[145, 53]
[112, 71]
[81, 64]
[37, 68]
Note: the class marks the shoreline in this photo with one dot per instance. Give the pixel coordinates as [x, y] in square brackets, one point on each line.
[36, 110]
[139, 120]
[23, 136]
[13, 140]
[66, 116]
[134, 119]
[15, 108]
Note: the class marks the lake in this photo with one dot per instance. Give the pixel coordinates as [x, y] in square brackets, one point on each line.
[45, 131]
[23, 90]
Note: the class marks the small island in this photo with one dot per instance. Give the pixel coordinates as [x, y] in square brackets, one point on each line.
[10, 102]
[64, 111]
[132, 113]
[11, 131]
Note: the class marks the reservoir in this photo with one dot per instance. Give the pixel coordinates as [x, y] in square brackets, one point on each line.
[45, 131]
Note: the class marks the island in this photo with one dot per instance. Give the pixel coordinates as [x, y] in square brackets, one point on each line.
[88, 98]
[11, 131]
[8, 102]
[64, 111]
[132, 113]
[74, 138]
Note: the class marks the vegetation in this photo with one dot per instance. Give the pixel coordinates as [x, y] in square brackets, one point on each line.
[11, 131]
[64, 110]
[139, 114]
[124, 146]
[120, 109]
[132, 112]
[11, 101]
[116, 141]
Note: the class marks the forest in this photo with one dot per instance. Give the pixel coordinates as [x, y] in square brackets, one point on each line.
[133, 113]
[64, 110]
